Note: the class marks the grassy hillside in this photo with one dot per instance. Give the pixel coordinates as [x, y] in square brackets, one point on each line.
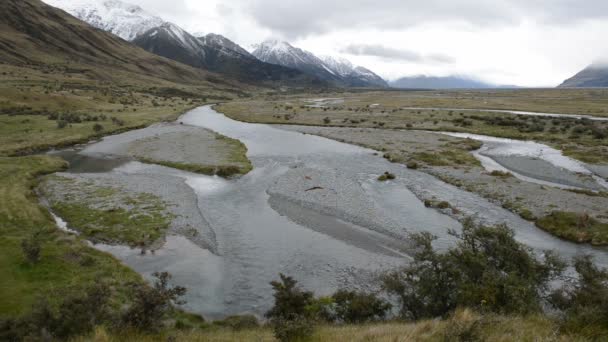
[54, 66]
[65, 261]
[63, 82]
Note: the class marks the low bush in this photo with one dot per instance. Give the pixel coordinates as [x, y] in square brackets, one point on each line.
[151, 303]
[387, 176]
[585, 301]
[358, 307]
[31, 248]
[290, 316]
[487, 270]
[501, 174]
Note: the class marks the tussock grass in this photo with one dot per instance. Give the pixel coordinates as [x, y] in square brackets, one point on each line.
[463, 325]
[577, 227]
[65, 260]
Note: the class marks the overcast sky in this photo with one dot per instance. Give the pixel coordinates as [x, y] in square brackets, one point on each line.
[520, 42]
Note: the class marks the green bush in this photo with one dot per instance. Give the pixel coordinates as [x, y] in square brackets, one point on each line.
[62, 124]
[152, 303]
[387, 176]
[585, 301]
[487, 270]
[290, 316]
[31, 248]
[358, 307]
[78, 313]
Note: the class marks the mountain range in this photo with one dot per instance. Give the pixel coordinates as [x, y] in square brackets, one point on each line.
[214, 52]
[336, 71]
[35, 35]
[593, 76]
[432, 82]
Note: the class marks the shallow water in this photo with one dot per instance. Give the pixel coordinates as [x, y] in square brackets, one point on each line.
[496, 150]
[356, 229]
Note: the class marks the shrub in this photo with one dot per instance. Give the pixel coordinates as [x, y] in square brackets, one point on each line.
[599, 133]
[585, 301]
[297, 328]
[290, 317]
[62, 124]
[487, 270]
[501, 174]
[326, 121]
[358, 307]
[31, 248]
[151, 304]
[97, 128]
[443, 205]
[412, 165]
[78, 313]
[387, 176]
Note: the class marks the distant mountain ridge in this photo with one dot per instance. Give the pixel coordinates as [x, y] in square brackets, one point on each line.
[212, 52]
[338, 72]
[433, 82]
[593, 76]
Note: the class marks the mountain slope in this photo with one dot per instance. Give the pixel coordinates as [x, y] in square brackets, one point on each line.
[283, 53]
[595, 75]
[211, 52]
[338, 72]
[122, 19]
[35, 34]
[354, 76]
[430, 82]
[168, 40]
[224, 56]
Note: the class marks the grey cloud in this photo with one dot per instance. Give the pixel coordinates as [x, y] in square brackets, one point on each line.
[296, 19]
[385, 52]
[381, 51]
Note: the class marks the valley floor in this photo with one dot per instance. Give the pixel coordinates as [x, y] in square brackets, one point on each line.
[401, 124]
[68, 261]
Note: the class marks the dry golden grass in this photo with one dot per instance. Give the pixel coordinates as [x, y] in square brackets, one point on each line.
[464, 324]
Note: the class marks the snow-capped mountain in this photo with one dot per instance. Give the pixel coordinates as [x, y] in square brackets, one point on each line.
[169, 40]
[283, 53]
[212, 52]
[339, 65]
[356, 76]
[337, 71]
[124, 20]
[223, 44]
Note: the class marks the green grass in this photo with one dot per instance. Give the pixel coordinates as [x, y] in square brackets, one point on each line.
[66, 260]
[211, 170]
[115, 225]
[448, 156]
[234, 163]
[501, 174]
[108, 214]
[577, 227]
